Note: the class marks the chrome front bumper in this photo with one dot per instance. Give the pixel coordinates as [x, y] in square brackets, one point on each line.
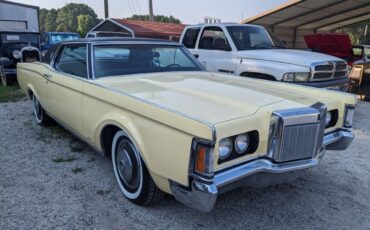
[202, 194]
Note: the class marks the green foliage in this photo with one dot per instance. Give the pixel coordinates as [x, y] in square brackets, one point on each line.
[85, 23]
[357, 32]
[11, 93]
[157, 18]
[72, 17]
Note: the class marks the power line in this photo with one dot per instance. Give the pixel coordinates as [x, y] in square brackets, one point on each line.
[129, 4]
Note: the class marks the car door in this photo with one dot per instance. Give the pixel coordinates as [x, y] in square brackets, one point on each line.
[65, 85]
[215, 52]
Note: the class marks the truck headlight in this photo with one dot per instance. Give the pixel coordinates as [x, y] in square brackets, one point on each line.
[296, 77]
[17, 54]
[348, 118]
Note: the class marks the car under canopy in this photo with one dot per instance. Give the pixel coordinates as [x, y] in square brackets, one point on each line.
[297, 18]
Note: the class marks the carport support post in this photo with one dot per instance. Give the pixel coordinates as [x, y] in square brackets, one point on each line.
[294, 38]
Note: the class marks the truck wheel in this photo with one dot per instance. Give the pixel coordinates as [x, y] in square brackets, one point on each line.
[41, 117]
[131, 173]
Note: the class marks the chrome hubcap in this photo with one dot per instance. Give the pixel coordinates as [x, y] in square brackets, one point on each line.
[125, 169]
[127, 165]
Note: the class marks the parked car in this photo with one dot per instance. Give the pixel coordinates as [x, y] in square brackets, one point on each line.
[49, 39]
[250, 51]
[338, 45]
[19, 38]
[168, 125]
[16, 47]
[105, 34]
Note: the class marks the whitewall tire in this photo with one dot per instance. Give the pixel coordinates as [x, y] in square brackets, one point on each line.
[131, 173]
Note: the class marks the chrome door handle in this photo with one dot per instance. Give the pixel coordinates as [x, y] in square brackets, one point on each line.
[46, 75]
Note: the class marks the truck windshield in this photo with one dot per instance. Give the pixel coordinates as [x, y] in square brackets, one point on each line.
[121, 59]
[20, 38]
[55, 38]
[253, 37]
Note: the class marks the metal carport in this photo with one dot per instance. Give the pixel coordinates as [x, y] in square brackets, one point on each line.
[291, 21]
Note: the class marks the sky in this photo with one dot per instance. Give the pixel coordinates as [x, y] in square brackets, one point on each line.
[188, 11]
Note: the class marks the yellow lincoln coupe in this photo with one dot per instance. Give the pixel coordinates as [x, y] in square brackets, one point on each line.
[169, 126]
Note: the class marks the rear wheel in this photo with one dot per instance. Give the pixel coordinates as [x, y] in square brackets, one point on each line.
[131, 173]
[41, 117]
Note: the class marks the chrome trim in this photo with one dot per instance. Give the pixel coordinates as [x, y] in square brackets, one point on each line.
[333, 71]
[263, 165]
[298, 116]
[346, 108]
[338, 140]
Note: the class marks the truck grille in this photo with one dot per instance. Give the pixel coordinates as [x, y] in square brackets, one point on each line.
[299, 134]
[328, 70]
[30, 54]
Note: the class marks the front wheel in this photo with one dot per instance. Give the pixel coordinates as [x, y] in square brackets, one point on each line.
[4, 80]
[41, 117]
[131, 173]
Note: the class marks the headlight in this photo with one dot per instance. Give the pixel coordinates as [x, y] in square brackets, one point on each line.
[296, 77]
[328, 118]
[241, 143]
[225, 148]
[350, 111]
[17, 54]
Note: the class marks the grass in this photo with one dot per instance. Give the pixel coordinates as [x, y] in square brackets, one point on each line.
[11, 93]
[62, 159]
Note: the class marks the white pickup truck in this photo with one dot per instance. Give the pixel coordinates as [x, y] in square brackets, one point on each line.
[250, 51]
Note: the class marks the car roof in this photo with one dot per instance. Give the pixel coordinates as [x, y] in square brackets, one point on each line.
[105, 40]
[223, 24]
[55, 32]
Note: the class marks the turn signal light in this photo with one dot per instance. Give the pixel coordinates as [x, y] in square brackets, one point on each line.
[200, 163]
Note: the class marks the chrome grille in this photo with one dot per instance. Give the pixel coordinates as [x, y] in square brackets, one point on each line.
[299, 133]
[328, 70]
[298, 142]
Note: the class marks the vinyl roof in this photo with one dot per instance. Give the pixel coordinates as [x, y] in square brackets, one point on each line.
[315, 14]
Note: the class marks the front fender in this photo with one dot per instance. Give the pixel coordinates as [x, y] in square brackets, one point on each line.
[275, 69]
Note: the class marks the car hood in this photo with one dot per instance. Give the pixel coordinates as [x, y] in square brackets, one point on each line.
[288, 56]
[208, 97]
[338, 45]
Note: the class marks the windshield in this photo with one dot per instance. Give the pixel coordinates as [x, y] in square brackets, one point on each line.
[111, 60]
[20, 38]
[55, 38]
[253, 37]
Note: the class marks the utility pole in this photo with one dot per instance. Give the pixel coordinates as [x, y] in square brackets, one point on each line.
[151, 16]
[106, 10]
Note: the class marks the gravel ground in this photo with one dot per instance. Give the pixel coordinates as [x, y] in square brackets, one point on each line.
[49, 179]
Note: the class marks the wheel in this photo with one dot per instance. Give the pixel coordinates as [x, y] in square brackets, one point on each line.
[41, 117]
[4, 80]
[131, 173]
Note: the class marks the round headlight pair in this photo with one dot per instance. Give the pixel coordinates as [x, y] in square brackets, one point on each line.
[17, 54]
[240, 145]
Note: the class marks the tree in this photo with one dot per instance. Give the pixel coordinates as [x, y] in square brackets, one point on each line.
[157, 18]
[357, 32]
[50, 20]
[67, 19]
[85, 23]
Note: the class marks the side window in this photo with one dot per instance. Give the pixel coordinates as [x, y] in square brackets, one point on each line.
[367, 53]
[213, 38]
[90, 36]
[190, 37]
[73, 60]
